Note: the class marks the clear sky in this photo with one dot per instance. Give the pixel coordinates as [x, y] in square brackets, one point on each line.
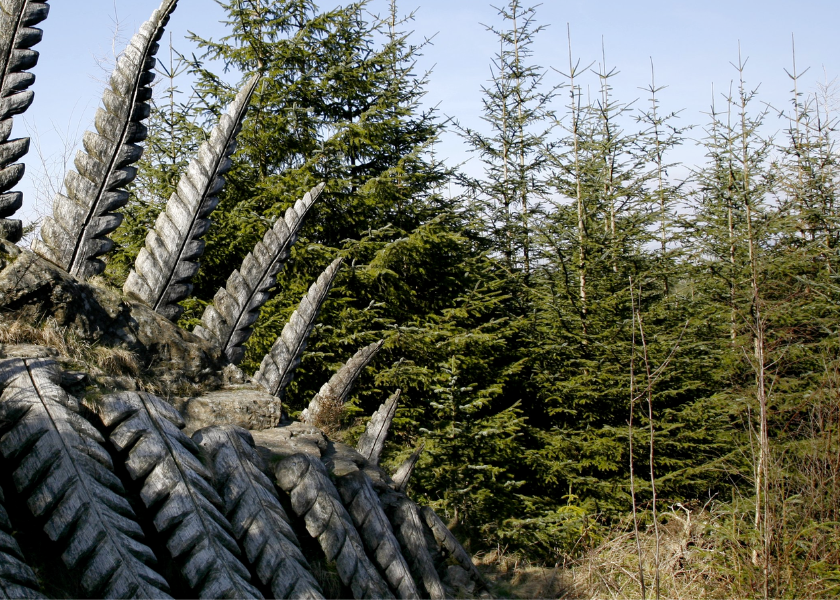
[691, 44]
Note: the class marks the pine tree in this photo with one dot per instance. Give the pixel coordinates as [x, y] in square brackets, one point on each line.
[339, 103]
[600, 239]
[659, 139]
[516, 109]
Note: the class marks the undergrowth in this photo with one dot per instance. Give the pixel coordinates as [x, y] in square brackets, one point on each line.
[704, 552]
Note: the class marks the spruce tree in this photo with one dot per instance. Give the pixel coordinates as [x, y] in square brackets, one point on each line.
[761, 257]
[601, 239]
[516, 110]
[340, 104]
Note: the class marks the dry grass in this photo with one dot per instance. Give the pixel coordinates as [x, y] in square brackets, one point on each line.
[689, 565]
[109, 365]
[176, 386]
[117, 361]
[48, 333]
[704, 553]
[698, 559]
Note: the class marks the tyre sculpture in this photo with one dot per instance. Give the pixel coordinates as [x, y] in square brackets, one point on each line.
[128, 494]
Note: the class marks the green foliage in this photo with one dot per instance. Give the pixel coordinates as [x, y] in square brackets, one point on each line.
[516, 111]
[527, 318]
[466, 469]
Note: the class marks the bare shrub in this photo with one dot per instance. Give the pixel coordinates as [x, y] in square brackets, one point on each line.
[689, 559]
[328, 417]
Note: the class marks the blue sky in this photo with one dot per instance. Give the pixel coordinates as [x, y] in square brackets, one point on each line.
[690, 43]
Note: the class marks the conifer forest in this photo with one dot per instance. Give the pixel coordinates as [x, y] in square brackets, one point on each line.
[621, 372]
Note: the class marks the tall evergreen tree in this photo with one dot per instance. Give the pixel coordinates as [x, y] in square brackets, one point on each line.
[339, 103]
[761, 255]
[516, 109]
[601, 239]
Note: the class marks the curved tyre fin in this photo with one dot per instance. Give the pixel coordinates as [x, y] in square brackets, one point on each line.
[177, 489]
[314, 497]
[252, 506]
[64, 471]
